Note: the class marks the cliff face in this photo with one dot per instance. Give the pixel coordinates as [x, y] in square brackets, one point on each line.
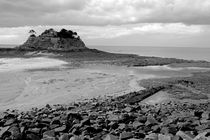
[52, 40]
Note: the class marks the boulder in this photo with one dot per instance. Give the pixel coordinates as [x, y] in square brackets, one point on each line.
[32, 137]
[10, 121]
[75, 138]
[184, 135]
[126, 135]
[203, 136]
[206, 115]
[151, 120]
[64, 137]
[15, 132]
[49, 133]
[137, 124]
[60, 129]
[164, 137]
[110, 137]
[152, 136]
[3, 130]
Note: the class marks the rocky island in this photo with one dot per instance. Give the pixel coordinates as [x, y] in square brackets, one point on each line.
[174, 105]
[64, 40]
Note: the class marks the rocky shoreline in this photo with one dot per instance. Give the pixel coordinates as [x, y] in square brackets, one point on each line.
[108, 119]
[121, 118]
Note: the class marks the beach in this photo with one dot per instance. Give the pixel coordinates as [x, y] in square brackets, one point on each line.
[35, 82]
[24, 86]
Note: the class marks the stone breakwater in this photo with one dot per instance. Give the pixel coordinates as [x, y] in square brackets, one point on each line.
[108, 119]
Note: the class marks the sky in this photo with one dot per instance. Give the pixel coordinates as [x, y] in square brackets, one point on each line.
[177, 23]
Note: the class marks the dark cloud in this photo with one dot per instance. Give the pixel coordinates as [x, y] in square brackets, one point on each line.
[102, 12]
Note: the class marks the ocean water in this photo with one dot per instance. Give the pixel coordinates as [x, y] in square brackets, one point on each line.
[169, 52]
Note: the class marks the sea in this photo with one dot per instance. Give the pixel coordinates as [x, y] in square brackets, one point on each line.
[189, 53]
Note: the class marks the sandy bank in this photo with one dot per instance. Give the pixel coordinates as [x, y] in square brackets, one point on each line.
[24, 89]
[19, 64]
[26, 83]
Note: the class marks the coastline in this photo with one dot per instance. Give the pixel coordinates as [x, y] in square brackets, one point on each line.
[44, 83]
[135, 107]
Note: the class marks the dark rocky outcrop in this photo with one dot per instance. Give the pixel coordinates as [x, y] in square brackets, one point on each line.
[64, 40]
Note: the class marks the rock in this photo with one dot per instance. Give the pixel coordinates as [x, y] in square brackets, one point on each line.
[172, 129]
[75, 138]
[164, 130]
[15, 133]
[53, 126]
[203, 136]
[110, 137]
[151, 120]
[126, 118]
[48, 106]
[140, 134]
[32, 137]
[126, 135]
[60, 129]
[46, 120]
[34, 130]
[56, 121]
[113, 117]
[176, 138]
[49, 138]
[202, 127]
[85, 122]
[52, 40]
[206, 115]
[198, 113]
[50, 133]
[113, 125]
[142, 119]
[76, 132]
[64, 137]
[137, 124]
[90, 130]
[73, 115]
[121, 126]
[164, 137]
[3, 130]
[128, 109]
[10, 121]
[184, 135]
[9, 115]
[151, 136]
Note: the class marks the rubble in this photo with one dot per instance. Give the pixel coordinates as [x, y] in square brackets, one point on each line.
[108, 119]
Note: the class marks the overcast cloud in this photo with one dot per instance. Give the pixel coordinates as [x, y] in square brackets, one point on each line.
[102, 12]
[106, 19]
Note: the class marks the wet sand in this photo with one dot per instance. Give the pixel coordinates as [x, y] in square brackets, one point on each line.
[24, 87]
[39, 81]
